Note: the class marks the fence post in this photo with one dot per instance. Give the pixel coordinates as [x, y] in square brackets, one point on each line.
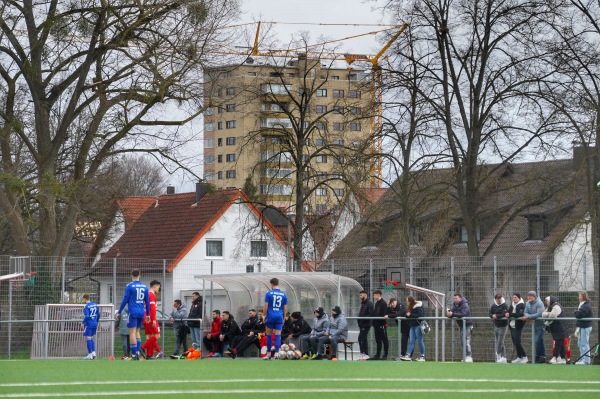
[538, 277]
[114, 298]
[370, 277]
[452, 290]
[410, 270]
[332, 266]
[162, 300]
[584, 271]
[464, 338]
[62, 285]
[495, 276]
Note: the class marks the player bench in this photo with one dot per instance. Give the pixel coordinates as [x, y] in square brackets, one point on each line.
[348, 345]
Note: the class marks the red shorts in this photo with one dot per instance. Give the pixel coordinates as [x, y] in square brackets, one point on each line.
[151, 330]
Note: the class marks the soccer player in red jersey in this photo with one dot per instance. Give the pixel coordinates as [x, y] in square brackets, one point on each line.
[152, 328]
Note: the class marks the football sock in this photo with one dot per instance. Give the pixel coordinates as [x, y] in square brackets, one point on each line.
[269, 344]
[90, 345]
[138, 346]
[149, 346]
[277, 343]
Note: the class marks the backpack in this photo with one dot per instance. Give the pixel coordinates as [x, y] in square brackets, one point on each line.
[424, 327]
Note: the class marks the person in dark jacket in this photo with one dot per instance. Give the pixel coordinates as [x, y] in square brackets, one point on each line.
[250, 330]
[460, 308]
[515, 314]
[557, 328]
[298, 329]
[498, 312]
[414, 310]
[229, 330]
[364, 325]
[585, 328]
[287, 327]
[194, 316]
[379, 326]
[394, 310]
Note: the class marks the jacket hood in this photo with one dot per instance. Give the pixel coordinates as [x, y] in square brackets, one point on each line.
[552, 300]
[418, 304]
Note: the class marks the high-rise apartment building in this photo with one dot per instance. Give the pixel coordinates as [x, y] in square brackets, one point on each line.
[268, 126]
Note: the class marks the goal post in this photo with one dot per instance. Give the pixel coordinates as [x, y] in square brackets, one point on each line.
[57, 332]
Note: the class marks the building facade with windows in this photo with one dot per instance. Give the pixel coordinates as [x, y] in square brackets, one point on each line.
[259, 113]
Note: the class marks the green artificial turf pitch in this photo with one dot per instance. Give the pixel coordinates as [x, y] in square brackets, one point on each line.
[224, 378]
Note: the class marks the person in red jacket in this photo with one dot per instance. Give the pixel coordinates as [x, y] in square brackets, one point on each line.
[152, 328]
[211, 340]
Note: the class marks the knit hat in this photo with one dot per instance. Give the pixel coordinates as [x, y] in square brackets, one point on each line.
[296, 315]
[532, 293]
[518, 295]
[320, 311]
[337, 310]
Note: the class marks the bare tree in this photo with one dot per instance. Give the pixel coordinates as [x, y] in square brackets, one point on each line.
[482, 63]
[86, 80]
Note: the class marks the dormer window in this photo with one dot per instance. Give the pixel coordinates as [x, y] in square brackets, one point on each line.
[463, 236]
[538, 228]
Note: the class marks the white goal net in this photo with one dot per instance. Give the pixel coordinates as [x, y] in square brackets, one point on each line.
[57, 332]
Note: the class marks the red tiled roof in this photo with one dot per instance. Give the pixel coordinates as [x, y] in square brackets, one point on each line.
[369, 196]
[170, 227]
[133, 208]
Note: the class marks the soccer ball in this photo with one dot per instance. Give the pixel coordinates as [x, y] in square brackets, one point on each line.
[283, 355]
[292, 347]
[291, 355]
[284, 348]
[297, 354]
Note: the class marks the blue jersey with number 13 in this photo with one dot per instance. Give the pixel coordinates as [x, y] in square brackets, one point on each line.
[136, 296]
[275, 300]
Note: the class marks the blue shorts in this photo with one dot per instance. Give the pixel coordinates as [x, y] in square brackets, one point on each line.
[89, 331]
[275, 324]
[135, 322]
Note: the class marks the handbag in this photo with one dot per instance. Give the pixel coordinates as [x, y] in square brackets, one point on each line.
[424, 327]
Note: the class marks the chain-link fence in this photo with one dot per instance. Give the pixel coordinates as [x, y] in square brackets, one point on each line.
[65, 280]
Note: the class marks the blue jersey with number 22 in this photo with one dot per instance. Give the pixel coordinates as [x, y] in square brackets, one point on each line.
[275, 300]
[135, 297]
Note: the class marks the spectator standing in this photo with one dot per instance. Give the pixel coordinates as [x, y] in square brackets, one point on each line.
[557, 328]
[516, 323]
[179, 326]
[585, 328]
[379, 326]
[414, 310]
[211, 340]
[89, 324]
[229, 330]
[532, 313]
[138, 302]
[299, 329]
[310, 342]
[364, 325]
[274, 308]
[460, 309]
[498, 312]
[121, 325]
[336, 332]
[394, 310]
[194, 319]
[152, 329]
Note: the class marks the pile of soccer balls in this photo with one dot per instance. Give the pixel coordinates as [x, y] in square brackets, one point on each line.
[289, 352]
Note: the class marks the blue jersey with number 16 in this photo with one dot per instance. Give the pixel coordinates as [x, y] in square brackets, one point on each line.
[275, 300]
[135, 297]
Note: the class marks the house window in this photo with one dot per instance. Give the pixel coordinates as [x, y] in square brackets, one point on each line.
[230, 124]
[338, 159]
[464, 236]
[321, 192]
[230, 91]
[214, 248]
[219, 125]
[354, 127]
[321, 92]
[249, 268]
[414, 238]
[230, 141]
[275, 189]
[321, 109]
[208, 159]
[338, 110]
[251, 73]
[219, 158]
[338, 142]
[338, 126]
[354, 110]
[230, 174]
[220, 175]
[219, 142]
[354, 93]
[230, 107]
[338, 93]
[321, 142]
[209, 111]
[321, 208]
[272, 88]
[537, 228]
[209, 127]
[230, 157]
[339, 192]
[321, 158]
[209, 143]
[258, 249]
[209, 176]
[335, 77]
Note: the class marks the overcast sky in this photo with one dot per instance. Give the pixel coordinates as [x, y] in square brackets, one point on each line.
[320, 11]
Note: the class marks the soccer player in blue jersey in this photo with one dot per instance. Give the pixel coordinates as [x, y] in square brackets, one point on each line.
[138, 302]
[274, 308]
[89, 324]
